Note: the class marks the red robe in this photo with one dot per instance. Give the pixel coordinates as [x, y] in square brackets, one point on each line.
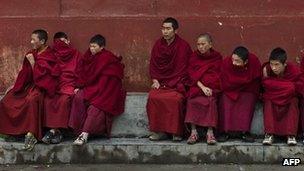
[201, 109]
[240, 87]
[301, 99]
[21, 109]
[57, 108]
[102, 95]
[165, 106]
[281, 113]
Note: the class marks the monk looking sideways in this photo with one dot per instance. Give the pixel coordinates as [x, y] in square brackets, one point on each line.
[204, 68]
[99, 94]
[21, 109]
[168, 71]
[283, 84]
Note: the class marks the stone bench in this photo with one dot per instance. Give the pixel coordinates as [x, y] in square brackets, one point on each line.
[134, 122]
[136, 149]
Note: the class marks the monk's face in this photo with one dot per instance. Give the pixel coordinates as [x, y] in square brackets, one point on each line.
[95, 48]
[36, 42]
[203, 45]
[168, 31]
[237, 61]
[277, 67]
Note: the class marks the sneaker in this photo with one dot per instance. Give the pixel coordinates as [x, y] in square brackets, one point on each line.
[247, 137]
[223, 138]
[193, 138]
[177, 138]
[210, 139]
[47, 137]
[80, 141]
[158, 136]
[57, 138]
[291, 141]
[268, 140]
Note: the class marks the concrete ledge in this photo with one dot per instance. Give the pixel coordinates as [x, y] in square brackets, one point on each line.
[127, 150]
[134, 122]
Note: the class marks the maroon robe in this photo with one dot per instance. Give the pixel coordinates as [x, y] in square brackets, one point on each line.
[168, 65]
[281, 112]
[301, 99]
[57, 108]
[21, 109]
[102, 95]
[240, 87]
[201, 109]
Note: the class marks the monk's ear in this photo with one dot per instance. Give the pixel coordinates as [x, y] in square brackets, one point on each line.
[175, 31]
[42, 41]
[246, 61]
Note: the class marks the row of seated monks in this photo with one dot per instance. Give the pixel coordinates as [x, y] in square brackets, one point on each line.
[193, 93]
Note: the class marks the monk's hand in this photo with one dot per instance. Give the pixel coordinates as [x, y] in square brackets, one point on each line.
[207, 91]
[265, 72]
[8, 89]
[76, 90]
[298, 60]
[155, 84]
[30, 58]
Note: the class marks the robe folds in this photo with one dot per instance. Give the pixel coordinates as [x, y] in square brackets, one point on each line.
[240, 86]
[281, 111]
[201, 109]
[166, 105]
[22, 109]
[99, 78]
[57, 108]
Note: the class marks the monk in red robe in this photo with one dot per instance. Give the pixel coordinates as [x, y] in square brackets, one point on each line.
[168, 70]
[21, 109]
[100, 95]
[282, 83]
[204, 68]
[240, 82]
[57, 108]
[300, 60]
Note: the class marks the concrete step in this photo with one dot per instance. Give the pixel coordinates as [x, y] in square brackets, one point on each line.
[143, 151]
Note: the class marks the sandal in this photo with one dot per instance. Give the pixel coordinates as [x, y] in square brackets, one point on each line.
[193, 138]
[80, 141]
[29, 142]
[177, 138]
[210, 139]
[158, 136]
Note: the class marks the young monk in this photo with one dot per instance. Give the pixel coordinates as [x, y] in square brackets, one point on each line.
[21, 109]
[240, 81]
[282, 83]
[99, 94]
[168, 71]
[57, 108]
[204, 68]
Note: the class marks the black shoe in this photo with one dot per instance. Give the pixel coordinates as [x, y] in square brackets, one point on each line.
[47, 137]
[57, 138]
[223, 138]
[247, 137]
